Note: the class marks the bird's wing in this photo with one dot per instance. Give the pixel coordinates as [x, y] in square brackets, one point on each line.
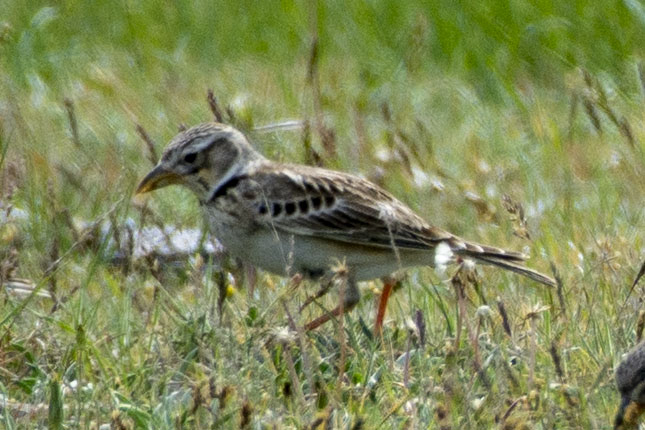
[317, 202]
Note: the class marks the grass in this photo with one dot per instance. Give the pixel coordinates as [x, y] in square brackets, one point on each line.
[448, 105]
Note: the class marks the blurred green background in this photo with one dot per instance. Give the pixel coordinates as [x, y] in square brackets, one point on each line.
[490, 44]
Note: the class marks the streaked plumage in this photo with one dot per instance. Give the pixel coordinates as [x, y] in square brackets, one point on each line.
[288, 218]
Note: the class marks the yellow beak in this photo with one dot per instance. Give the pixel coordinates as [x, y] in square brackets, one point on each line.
[158, 177]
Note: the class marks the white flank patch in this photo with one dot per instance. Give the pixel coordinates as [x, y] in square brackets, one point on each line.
[469, 264]
[442, 256]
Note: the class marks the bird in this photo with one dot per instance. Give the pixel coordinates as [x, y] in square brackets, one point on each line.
[296, 219]
[630, 380]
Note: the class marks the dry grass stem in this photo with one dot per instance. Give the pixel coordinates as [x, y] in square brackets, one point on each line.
[214, 107]
[150, 144]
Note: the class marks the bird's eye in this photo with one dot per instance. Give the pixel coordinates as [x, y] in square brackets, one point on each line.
[190, 157]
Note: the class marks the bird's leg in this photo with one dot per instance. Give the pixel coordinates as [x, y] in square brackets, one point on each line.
[388, 285]
[349, 300]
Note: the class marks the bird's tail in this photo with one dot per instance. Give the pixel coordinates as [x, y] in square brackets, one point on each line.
[509, 260]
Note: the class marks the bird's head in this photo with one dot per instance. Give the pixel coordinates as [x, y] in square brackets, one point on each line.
[201, 158]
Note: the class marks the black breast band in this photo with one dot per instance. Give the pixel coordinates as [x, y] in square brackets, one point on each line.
[223, 189]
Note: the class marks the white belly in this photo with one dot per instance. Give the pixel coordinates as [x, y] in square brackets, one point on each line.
[286, 254]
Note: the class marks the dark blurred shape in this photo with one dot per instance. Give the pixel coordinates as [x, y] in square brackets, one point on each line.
[630, 379]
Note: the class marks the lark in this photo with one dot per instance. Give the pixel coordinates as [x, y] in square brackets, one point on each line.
[294, 219]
